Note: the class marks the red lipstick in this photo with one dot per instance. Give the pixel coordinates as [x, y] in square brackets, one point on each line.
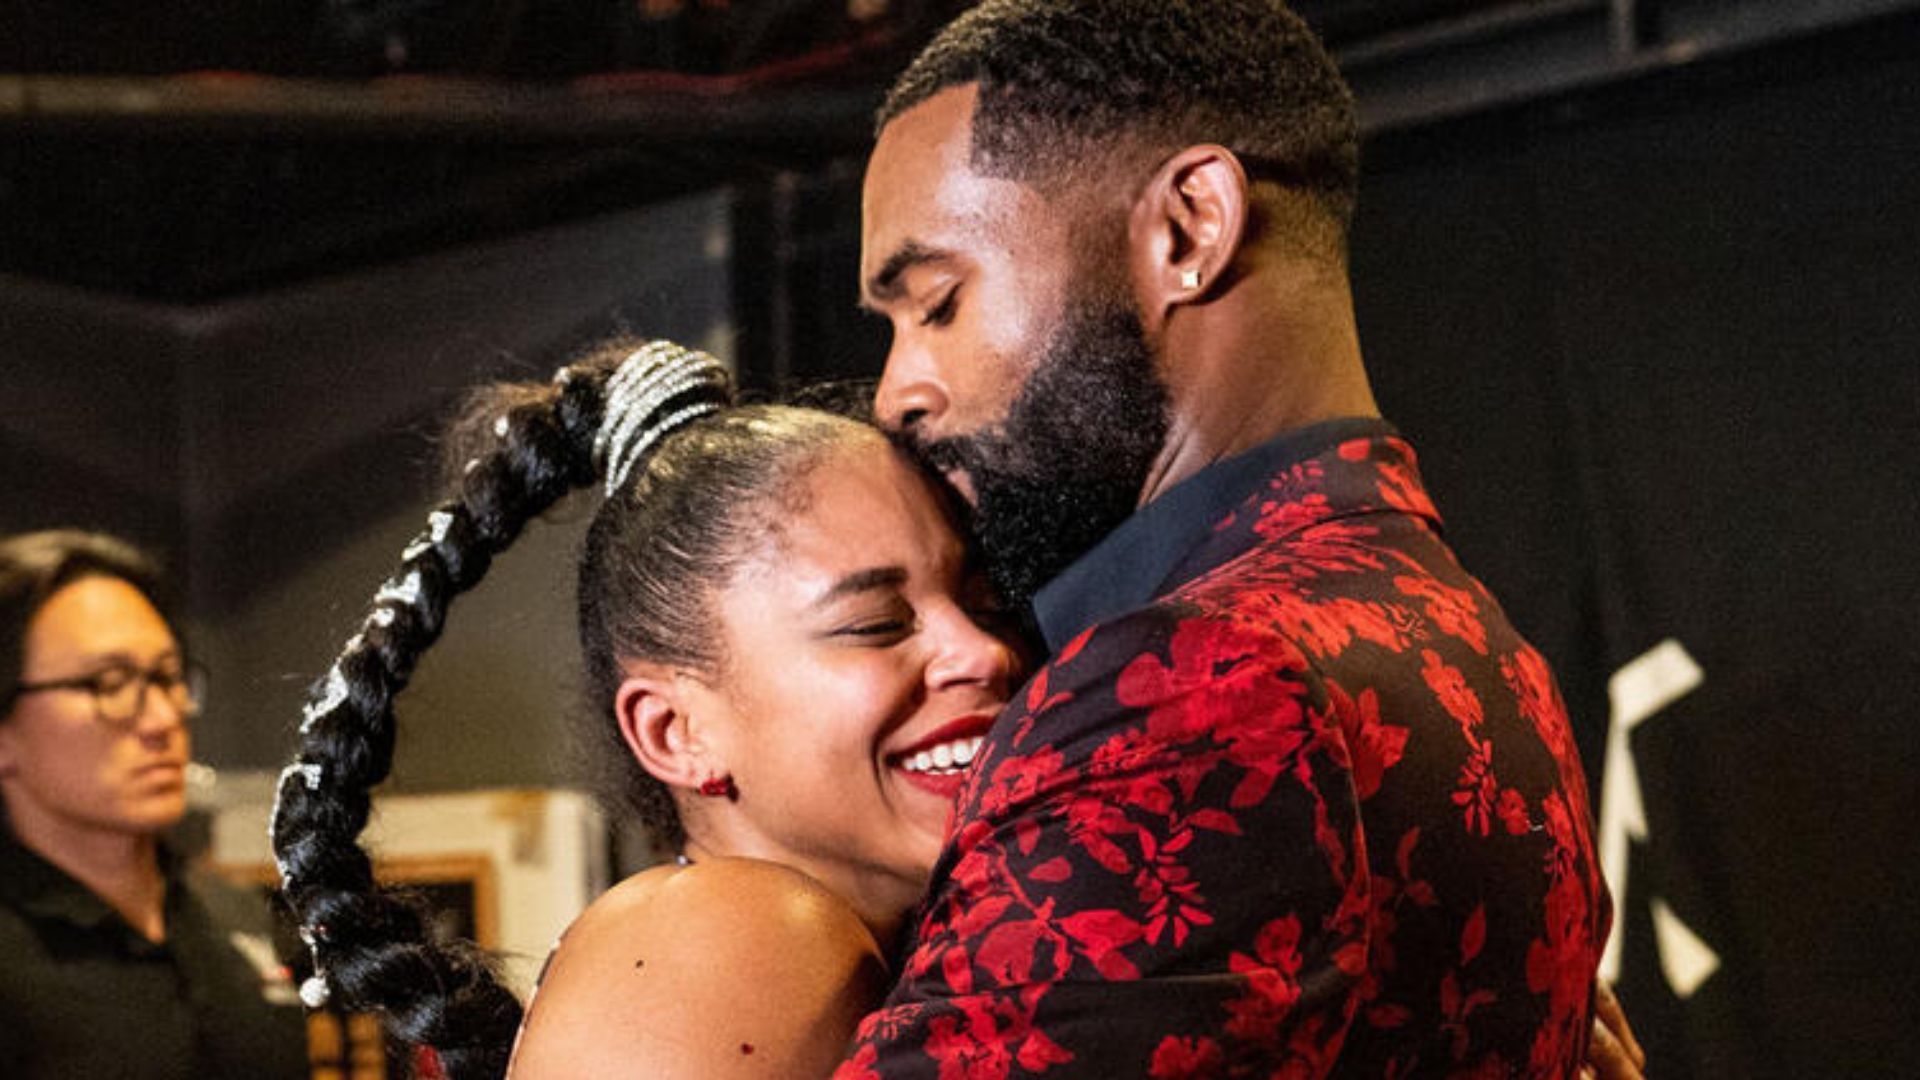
[960, 727]
[945, 784]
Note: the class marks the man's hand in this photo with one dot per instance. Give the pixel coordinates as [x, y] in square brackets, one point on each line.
[1613, 1054]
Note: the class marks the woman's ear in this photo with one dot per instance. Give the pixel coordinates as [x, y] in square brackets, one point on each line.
[654, 708]
[1187, 228]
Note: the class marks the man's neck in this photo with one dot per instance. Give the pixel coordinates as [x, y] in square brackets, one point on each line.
[1260, 360]
[122, 869]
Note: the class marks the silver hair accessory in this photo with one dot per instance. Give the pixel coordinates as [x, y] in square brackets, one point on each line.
[311, 774]
[656, 373]
[332, 696]
[405, 592]
[438, 523]
[313, 990]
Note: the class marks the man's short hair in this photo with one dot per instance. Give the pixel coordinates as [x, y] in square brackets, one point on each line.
[1066, 85]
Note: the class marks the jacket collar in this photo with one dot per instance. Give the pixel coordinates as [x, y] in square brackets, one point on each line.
[1298, 479]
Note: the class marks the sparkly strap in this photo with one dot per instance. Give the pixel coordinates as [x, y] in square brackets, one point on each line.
[656, 374]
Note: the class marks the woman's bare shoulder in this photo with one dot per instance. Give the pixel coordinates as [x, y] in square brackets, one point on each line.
[728, 966]
[723, 909]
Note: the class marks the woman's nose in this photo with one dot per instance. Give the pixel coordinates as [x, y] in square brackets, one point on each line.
[973, 655]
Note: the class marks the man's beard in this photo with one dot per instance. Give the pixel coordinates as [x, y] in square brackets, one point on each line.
[1068, 463]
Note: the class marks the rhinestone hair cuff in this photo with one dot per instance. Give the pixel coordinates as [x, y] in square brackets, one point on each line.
[657, 373]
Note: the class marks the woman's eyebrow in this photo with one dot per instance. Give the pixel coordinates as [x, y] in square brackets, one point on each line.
[859, 581]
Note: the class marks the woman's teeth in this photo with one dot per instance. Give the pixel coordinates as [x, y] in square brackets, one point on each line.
[947, 757]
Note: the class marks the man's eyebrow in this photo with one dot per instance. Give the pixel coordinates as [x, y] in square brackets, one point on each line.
[885, 283]
[878, 577]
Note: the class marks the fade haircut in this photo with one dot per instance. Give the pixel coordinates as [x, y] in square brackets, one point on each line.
[1071, 90]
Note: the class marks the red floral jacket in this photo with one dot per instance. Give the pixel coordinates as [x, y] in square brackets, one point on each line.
[1314, 810]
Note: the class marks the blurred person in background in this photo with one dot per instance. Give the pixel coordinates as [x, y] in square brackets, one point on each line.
[114, 964]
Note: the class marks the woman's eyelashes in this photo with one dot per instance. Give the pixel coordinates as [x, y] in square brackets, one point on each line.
[876, 628]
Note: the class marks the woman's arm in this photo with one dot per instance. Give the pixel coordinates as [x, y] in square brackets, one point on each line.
[731, 967]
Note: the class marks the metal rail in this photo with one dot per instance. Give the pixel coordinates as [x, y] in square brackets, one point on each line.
[1497, 56]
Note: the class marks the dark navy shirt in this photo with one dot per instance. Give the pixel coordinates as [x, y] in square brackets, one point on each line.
[1133, 564]
[83, 994]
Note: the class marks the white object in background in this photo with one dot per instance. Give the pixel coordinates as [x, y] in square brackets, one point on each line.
[1638, 691]
[547, 850]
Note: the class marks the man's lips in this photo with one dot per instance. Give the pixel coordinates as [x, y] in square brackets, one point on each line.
[962, 484]
[949, 456]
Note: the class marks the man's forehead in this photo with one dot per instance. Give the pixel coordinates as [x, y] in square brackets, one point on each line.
[923, 197]
[920, 158]
[942, 125]
[97, 615]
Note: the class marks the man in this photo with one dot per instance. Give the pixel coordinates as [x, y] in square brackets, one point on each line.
[118, 962]
[1291, 797]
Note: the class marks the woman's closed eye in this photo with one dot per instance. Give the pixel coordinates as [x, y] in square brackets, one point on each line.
[876, 628]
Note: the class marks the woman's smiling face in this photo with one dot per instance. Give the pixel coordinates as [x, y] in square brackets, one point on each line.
[856, 682]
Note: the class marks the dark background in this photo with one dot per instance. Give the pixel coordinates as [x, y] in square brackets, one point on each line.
[1639, 281]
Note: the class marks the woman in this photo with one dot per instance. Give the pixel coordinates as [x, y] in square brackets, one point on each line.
[776, 614]
[114, 965]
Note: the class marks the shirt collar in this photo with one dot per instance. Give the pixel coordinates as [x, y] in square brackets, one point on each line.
[1130, 567]
[41, 890]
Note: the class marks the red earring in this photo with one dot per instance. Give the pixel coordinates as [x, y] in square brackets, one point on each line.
[718, 786]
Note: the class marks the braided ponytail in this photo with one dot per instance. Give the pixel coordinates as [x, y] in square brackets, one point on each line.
[371, 948]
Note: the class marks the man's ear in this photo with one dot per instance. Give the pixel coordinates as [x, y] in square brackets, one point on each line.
[654, 709]
[1186, 229]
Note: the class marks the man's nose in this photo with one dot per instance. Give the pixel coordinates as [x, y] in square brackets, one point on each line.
[161, 725]
[160, 712]
[909, 396]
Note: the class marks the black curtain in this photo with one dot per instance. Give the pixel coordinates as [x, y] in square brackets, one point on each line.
[1658, 350]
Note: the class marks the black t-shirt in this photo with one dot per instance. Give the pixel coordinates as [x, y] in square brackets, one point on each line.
[82, 994]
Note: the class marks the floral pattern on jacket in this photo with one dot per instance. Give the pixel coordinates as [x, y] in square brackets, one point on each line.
[1314, 811]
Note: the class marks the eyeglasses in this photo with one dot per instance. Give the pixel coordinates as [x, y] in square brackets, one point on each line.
[120, 691]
